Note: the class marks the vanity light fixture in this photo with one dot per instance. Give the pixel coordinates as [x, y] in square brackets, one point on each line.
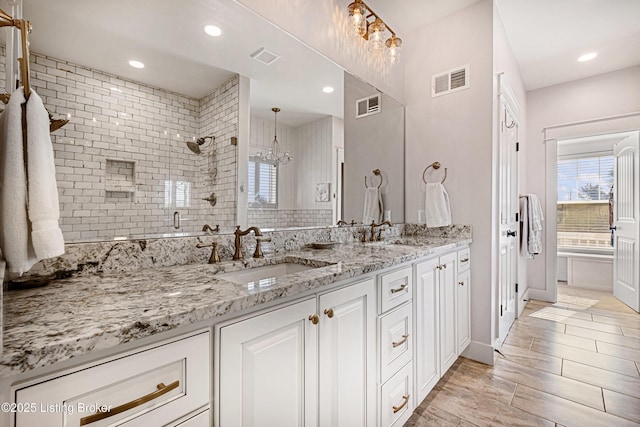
[136, 64]
[213, 31]
[365, 23]
[274, 152]
[587, 56]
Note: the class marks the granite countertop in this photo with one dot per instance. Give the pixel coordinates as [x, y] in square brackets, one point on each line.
[74, 316]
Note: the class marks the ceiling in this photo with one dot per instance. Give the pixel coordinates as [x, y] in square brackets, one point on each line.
[547, 36]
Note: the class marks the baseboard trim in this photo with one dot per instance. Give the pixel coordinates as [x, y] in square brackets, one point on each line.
[480, 352]
[522, 302]
[542, 295]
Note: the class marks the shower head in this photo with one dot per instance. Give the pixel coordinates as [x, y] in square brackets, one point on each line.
[194, 146]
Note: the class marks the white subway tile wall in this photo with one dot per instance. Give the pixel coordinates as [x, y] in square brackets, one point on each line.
[290, 217]
[122, 163]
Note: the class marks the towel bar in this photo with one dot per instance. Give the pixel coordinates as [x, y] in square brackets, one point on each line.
[435, 166]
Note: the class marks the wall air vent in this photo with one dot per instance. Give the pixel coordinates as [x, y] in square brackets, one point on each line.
[265, 56]
[450, 81]
[368, 106]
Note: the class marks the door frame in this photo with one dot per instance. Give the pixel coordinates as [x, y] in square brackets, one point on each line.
[551, 134]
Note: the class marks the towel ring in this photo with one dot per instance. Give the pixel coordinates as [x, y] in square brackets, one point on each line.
[435, 166]
[375, 172]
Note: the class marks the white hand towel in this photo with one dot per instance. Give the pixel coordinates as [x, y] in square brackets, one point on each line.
[14, 225]
[372, 206]
[44, 210]
[535, 224]
[437, 207]
[524, 228]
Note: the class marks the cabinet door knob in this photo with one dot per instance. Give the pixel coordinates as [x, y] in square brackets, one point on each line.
[461, 283]
[405, 399]
[329, 312]
[314, 319]
[402, 341]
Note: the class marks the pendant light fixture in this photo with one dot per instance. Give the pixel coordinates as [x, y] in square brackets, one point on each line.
[365, 23]
[273, 155]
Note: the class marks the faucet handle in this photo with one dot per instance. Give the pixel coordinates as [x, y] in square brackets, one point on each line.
[214, 251]
[258, 252]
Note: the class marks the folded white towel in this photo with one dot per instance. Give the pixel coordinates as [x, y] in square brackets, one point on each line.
[437, 207]
[44, 210]
[372, 206]
[14, 225]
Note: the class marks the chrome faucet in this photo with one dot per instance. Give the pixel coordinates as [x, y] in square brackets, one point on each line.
[373, 229]
[238, 242]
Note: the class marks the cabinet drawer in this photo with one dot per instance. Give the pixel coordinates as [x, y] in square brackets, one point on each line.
[396, 340]
[141, 389]
[396, 401]
[464, 259]
[395, 288]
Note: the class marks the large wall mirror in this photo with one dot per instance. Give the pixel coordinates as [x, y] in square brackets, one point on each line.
[164, 149]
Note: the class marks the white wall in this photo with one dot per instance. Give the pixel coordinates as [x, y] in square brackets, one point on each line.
[457, 131]
[323, 26]
[601, 96]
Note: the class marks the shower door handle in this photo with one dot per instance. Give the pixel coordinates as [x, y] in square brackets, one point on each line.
[176, 220]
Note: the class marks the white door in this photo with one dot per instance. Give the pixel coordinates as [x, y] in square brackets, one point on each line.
[268, 369]
[427, 328]
[448, 317]
[347, 360]
[626, 260]
[509, 226]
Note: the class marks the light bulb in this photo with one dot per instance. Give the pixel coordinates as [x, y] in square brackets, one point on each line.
[357, 19]
[376, 34]
[393, 50]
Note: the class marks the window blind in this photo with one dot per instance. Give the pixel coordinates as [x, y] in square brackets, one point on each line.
[262, 183]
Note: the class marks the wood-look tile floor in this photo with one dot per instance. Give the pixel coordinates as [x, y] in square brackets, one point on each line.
[573, 363]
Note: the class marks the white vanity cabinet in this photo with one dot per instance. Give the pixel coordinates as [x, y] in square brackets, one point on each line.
[395, 338]
[441, 309]
[152, 386]
[302, 364]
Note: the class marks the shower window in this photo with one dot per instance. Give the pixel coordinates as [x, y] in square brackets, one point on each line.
[262, 183]
[584, 184]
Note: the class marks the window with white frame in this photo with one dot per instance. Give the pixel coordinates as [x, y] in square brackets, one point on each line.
[584, 185]
[262, 183]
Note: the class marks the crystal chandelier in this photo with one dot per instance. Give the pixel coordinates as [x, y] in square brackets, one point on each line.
[274, 155]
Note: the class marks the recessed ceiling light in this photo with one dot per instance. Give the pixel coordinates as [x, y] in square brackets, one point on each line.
[136, 64]
[327, 89]
[212, 30]
[587, 57]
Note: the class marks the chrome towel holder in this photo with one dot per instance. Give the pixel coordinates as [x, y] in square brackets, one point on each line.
[377, 173]
[435, 166]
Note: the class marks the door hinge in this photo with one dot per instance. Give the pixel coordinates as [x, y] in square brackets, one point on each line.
[516, 288]
[500, 309]
[517, 216]
[517, 146]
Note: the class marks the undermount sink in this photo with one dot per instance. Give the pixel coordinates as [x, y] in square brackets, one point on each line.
[264, 275]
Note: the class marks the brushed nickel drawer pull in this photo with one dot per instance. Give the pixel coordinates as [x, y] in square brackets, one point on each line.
[400, 289]
[402, 341]
[162, 389]
[314, 319]
[329, 312]
[464, 260]
[398, 408]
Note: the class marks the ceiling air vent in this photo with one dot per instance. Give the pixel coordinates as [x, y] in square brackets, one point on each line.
[367, 106]
[265, 56]
[450, 81]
